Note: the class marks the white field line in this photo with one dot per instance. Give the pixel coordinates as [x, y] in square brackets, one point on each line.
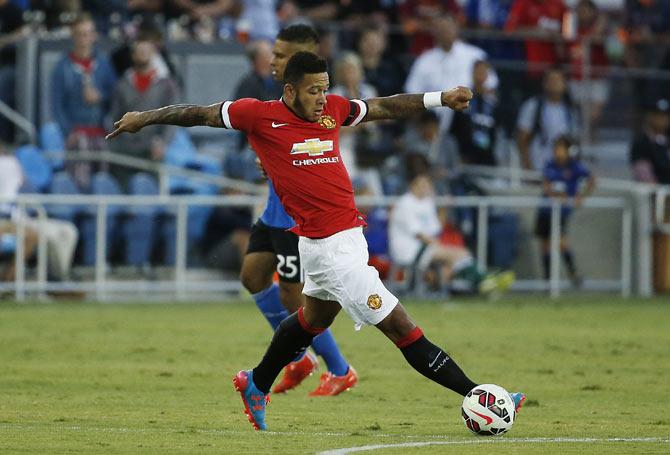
[492, 440]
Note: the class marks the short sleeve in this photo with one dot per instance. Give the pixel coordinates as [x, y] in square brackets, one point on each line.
[527, 115]
[348, 112]
[240, 114]
[583, 171]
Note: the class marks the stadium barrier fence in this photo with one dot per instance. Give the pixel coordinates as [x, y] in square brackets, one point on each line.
[180, 287]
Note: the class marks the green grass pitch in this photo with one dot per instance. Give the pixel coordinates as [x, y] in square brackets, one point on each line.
[156, 378]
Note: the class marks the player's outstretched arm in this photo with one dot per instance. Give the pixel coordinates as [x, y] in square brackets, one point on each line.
[405, 105]
[176, 114]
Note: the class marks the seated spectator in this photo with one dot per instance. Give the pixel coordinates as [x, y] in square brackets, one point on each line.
[650, 150]
[61, 236]
[543, 119]
[12, 29]
[483, 119]
[591, 25]
[142, 88]
[81, 87]
[417, 18]
[414, 238]
[562, 180]
[382, 70]
[543, 20]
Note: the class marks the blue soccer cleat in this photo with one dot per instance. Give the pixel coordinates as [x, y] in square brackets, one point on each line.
[254, 400]
[518, 398]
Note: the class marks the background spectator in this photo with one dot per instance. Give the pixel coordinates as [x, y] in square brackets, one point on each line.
[449, 64]
[543, 19]
[543, 119]
[258, 83]
[414, 239]
[148, 29]
[61, 236]
[382, 70]
[11, 30]
[647, 26]
[81, 87]
[142, 88]
[417, 18]
[563, 177]
[650, 150]
[483, 119]
[355, 143]
[259, 17]
[591, 26]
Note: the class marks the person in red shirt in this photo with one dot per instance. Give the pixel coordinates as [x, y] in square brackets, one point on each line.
[543, 19]
[297, 141]
[417, 18]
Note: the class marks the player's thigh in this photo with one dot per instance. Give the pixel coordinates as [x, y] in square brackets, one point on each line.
[320, 313]
[397, 324]
[259, 263]
[291, 295]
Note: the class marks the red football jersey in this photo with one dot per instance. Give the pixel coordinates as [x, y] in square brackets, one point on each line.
[303, 159]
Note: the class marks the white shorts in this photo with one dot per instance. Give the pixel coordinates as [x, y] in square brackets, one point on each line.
[336, 268]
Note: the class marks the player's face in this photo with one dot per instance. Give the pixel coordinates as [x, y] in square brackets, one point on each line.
[308, 97]
[282, 52]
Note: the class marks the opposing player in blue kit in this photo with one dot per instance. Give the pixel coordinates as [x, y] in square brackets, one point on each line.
[272, 247]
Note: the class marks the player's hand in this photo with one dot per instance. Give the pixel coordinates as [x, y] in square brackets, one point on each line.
[131, 122]
[457, 98]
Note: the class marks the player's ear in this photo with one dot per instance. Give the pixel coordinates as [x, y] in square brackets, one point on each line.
[289, 93]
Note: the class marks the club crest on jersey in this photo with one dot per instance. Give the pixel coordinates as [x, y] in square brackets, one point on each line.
[375, 302]
[327, 122]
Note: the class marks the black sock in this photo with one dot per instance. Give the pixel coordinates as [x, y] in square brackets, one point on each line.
[569, 262]
[546, 261]
[434, 363]
[290, 339]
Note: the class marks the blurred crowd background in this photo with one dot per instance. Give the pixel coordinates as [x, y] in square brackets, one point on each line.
[592, 73]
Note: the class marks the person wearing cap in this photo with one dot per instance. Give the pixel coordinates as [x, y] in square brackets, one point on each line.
[650, 150]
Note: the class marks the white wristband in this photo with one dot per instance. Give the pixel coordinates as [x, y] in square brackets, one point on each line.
[432, 99]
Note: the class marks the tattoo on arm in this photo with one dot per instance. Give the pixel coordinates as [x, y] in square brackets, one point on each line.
[185, 115]
[394, 107]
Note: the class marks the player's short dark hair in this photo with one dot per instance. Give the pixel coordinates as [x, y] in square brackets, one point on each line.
[299, 33]
[302, 63]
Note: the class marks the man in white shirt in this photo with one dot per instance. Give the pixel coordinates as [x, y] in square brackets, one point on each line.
[452, 61]
[414, 230]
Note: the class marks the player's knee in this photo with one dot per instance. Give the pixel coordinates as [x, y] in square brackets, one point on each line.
[253, 281]
[397, 324]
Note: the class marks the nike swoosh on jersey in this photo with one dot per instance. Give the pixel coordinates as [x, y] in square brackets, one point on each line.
[277, 125]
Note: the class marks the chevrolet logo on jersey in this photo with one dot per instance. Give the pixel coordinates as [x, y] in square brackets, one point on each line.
[313, 147]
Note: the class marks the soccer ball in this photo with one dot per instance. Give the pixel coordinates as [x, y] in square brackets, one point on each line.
[488, 409]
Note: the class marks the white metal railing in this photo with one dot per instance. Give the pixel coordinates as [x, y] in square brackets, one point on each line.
[101, 286]
[164, 171]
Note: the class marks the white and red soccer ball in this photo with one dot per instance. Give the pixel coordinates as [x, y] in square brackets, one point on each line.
[488, 409]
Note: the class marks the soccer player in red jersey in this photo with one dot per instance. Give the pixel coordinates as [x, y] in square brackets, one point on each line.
[297, 141]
